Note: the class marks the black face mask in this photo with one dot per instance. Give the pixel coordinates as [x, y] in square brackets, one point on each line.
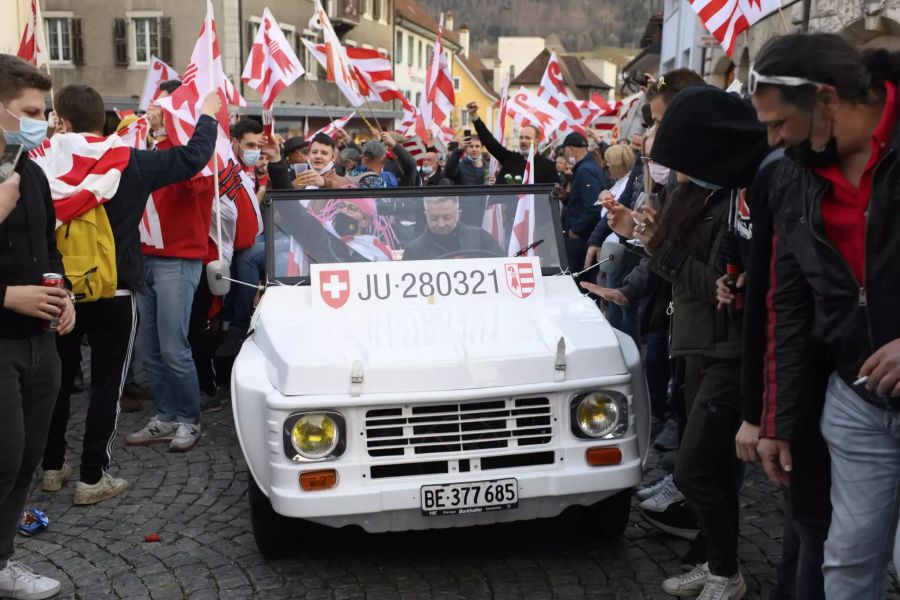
[344, 225]
[804, 155]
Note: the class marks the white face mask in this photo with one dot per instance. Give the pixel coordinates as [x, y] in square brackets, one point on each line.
[324, 169]
[659, 173]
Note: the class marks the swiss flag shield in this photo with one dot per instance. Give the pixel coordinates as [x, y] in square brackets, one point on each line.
[334, 286]
[520, 279]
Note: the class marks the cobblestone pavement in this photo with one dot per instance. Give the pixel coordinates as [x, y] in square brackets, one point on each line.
[197, 504]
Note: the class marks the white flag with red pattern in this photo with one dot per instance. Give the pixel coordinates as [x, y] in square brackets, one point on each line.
[523, 229]
[526, 108]
[156, 74]
[272, 64]
[337, 65]
[500, 124]
[439, 98]
[369, 66]
[726, 19]
[332, 128]
[32, 48]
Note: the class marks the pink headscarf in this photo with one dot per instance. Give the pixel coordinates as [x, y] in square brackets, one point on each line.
[381, 225]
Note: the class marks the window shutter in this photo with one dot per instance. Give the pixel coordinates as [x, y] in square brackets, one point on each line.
[376, 9]
[120, 39]
[77, 43]
[165, 39]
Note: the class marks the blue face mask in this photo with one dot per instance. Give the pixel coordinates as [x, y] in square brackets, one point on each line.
[705, 184]
[427, 170]
[31, 134]
[251, 157]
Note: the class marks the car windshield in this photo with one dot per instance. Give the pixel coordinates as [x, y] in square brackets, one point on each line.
[423, 224]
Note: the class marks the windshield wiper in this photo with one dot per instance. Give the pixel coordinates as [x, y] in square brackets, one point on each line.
[528, 248]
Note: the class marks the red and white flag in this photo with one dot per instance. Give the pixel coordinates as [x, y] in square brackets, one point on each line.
[135, 134]
[493, 222]
[369, 66]
[416, 148]
[272, 64]
[83, 171]
[439, 98]
[32, 48]
[156, 74]
[332, 128]
[298, 262]
[337, 65]
[203, 75]
[523, 229]
[553, 90]
[526, 108]
[500, 124]
[726, 19]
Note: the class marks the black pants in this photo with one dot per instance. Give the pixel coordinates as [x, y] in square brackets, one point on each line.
[202, 338]
[707, 471]
[110, 326]
[29, 382]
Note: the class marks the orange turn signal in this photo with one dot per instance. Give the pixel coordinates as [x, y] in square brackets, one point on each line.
[602, 457]
[314, 481]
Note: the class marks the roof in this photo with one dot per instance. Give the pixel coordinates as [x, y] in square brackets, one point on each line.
[579, 79]
[413, 12]
[479, 72]
[614, 54]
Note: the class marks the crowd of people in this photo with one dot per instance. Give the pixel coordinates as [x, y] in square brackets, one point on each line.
[757, 281]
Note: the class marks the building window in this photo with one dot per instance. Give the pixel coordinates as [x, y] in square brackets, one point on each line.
[398, 51]
[418, 98]
[146, 39]
[409, 51]
[428, 54]
[456, 83]
[378, 10]
[420, 54]
[59, 39]
[463, 117]
[310, 64]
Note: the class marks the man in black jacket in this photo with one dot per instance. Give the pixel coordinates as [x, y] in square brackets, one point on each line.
[29, 363]
[446, 235]
[111, 323]
[835, 274]
[513, 163]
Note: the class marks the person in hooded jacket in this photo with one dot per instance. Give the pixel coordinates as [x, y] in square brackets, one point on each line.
[689, 247]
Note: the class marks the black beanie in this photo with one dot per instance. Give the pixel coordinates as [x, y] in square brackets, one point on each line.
[711, 135]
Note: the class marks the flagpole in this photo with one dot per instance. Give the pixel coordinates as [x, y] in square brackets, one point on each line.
[783, 20]
[373, 114]
[215, 157]
[324, 106]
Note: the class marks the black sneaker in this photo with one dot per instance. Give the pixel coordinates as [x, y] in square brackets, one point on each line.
[677, 520]
[215, 403]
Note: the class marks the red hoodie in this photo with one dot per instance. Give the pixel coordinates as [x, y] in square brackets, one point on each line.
[185, 212]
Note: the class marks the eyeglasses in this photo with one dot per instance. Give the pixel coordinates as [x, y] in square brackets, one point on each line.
[756, 79]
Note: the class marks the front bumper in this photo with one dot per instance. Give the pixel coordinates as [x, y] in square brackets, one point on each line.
[392, 503]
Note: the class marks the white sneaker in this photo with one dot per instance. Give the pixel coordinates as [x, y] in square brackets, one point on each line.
[186, 437]
[724, 588]
[155, 431]
[689, 584]
[653, 489]
[21, 583]
[667, 495]
[107, 487]
[55, 479]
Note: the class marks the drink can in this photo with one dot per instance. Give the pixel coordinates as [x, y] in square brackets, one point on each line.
[54, 280]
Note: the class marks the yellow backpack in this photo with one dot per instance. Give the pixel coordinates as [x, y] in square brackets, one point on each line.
[89, 255]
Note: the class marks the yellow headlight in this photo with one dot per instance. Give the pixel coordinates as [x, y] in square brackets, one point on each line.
[597, 415]
[315, 435]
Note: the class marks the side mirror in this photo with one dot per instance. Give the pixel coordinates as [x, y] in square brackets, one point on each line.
[217, 274]
[611, 255]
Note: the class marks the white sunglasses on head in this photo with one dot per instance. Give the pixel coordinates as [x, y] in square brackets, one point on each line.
[757, 78]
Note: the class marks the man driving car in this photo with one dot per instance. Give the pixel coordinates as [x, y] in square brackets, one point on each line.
[448, 238]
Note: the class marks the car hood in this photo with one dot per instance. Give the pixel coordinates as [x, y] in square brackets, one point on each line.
[432, 348]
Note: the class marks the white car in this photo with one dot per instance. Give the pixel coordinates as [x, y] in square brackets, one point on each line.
[432, 364]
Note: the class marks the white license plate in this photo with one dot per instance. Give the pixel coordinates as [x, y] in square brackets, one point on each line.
[468, 498]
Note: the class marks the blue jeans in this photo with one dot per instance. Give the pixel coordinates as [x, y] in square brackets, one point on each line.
[165, 312]
[248, 264]
[656, 366]
[864, 442]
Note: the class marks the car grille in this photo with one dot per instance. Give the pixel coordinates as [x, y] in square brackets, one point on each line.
[459, 427]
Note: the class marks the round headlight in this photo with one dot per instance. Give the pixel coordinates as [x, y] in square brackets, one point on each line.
[597, 415]
[315, 435]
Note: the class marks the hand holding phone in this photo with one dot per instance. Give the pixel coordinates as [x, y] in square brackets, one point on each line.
[8, 160]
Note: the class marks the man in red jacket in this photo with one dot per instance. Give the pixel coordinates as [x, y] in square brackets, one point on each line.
[174, 244]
